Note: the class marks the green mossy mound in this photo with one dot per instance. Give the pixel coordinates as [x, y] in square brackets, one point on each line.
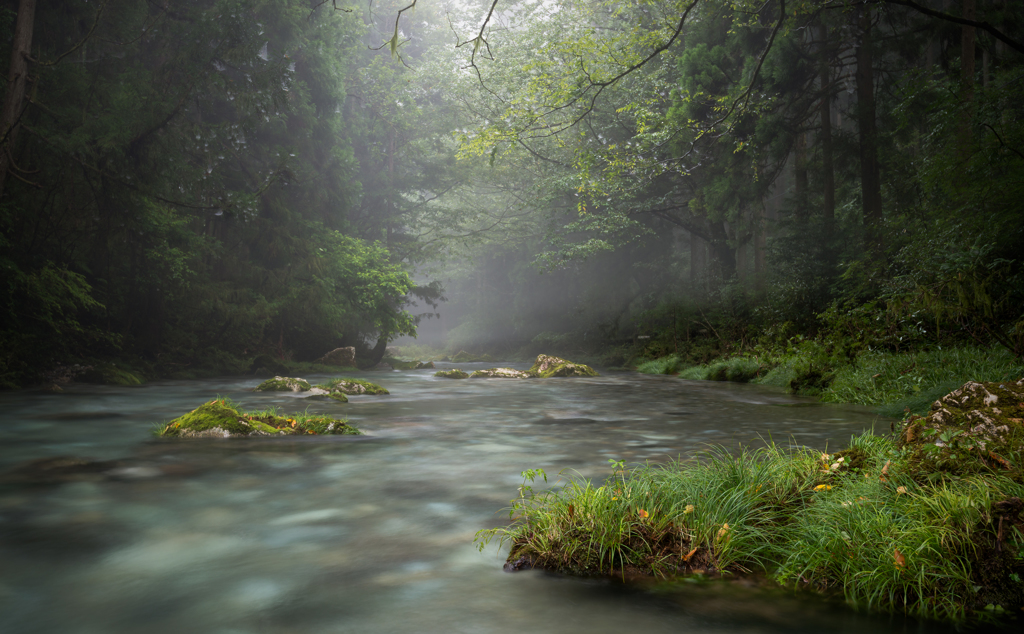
[977, 428]
[221, 419]
[547, 366]
[452, 374]
[400, 364]
[283, 384]
[351, 386]
[425, 365]
[464, 357]
[502, 373]
[108, 374]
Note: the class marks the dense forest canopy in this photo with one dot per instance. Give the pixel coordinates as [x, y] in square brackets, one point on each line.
[189, 184]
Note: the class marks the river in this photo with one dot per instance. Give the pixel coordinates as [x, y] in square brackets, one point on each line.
[368, 534]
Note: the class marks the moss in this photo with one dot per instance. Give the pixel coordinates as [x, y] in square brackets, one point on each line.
[977, 428]
[400, 364]
[502, 373]
[352, 386]
[425, 365]
[464, 357]
[546, 367]
[283, 384]
[221, 419]
[452, 374]
[338, 397]
[109, 374]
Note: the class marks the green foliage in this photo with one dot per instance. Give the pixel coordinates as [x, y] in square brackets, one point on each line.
[851, 521]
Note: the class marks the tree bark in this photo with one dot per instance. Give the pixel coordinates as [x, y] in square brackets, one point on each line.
[825, 114]
[17, 80]
[870, 180]
[967, 38]
[800, 181]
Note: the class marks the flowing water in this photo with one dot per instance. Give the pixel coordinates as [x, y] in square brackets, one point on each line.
[367, 534]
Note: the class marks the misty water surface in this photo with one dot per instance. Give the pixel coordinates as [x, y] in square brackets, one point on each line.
[370, 534]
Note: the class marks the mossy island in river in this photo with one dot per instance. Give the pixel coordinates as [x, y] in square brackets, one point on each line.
[222, 419]
[543, 368]
[335, 388]
[929, 522]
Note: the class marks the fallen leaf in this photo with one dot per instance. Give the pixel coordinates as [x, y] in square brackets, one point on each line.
[901, 490]
[689, 555]
[572, 511]
[901, 561]
[643, 514]
[689, 509]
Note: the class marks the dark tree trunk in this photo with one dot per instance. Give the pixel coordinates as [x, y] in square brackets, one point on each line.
[967, 38]
[870, 180]
[825, 114]
[800, 181]
[375, 354]
[17, 80]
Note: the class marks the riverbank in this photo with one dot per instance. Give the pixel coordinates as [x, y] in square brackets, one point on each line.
[892, 382]
[927, 522]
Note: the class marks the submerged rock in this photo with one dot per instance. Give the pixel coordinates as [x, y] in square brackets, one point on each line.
[344, 357]
[452, 374]
[502, 373]
[978, 427]
[283, 384]
[344, 386]
[547, 366]
[220, 419]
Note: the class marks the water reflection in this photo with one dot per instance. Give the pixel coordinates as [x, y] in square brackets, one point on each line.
[368, 534]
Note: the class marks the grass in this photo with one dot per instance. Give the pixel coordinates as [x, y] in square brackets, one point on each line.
[737, 369]
[853, 522]
[916, 379]
[224, 414]
[891, 382]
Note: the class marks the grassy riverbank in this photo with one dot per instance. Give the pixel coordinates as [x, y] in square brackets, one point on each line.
[892, 382]
[864, 522]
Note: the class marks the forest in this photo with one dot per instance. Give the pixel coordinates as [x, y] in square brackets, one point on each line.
[823, 198]
[188, 185]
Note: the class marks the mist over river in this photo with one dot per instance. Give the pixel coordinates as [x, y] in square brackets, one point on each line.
[375, 533]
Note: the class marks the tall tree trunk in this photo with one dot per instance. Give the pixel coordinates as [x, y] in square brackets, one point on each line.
[800, 177]
[698, 264]
[870, 180]
[760, 242]
[825, 115]
[967, 37]
[17, 80]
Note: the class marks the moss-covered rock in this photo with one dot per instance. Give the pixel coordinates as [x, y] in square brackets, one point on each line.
[452, 374]
[283, 384]
[547, 366]
[978, 427]
[502, 373]
[221, 419]
[425, 365]
[344, 357]
[352, 386]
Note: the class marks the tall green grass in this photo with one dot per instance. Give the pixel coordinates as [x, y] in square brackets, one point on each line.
[916, 379]
[853, 522]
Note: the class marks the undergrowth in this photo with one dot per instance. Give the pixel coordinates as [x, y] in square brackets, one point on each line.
[853, 522]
